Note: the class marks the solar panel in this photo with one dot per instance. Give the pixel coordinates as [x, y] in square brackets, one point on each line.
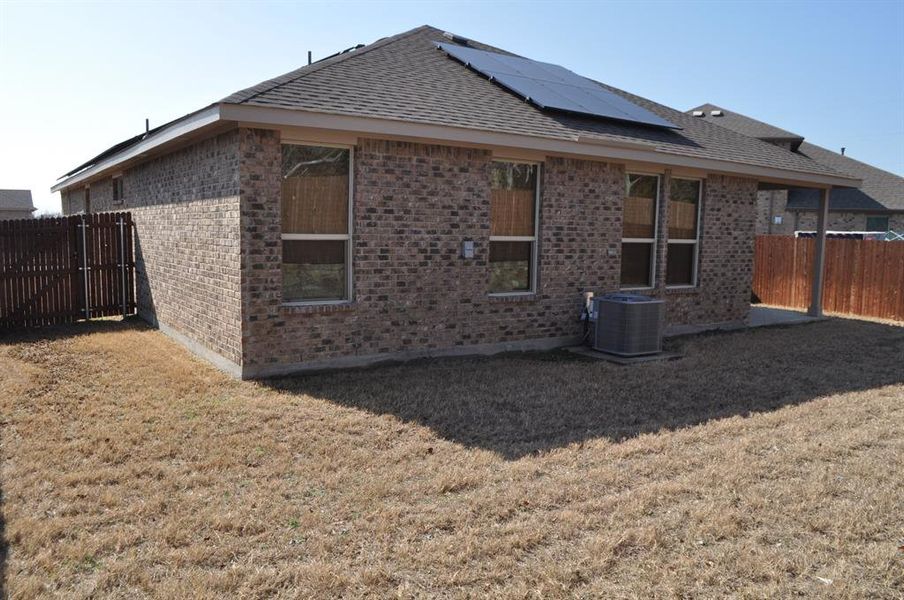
[550, 86]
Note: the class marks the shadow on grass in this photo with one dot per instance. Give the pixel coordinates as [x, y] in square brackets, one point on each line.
[517, 405]
[70, 330]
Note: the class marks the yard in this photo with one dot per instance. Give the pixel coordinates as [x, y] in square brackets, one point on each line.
[763, 463]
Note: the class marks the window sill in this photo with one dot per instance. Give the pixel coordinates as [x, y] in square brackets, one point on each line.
[513, 297]
[317, 307]
[682, 289]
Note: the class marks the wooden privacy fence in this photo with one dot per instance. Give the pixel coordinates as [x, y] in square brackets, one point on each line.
[862, 277]
[66, 269]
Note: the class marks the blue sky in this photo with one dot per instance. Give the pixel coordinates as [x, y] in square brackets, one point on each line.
[77, 78]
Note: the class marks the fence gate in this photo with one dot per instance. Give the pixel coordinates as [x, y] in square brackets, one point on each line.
[65, 269]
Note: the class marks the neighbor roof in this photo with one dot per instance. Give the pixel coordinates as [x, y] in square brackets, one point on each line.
[406, 79]
[880, 191]
[16, 200]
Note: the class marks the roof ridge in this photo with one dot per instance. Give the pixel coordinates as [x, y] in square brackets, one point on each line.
[328, 61]
[707, 106]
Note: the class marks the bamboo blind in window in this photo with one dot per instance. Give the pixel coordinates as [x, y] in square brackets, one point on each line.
[682, 220]
[512, 212]
[639, 217]
[315, 204]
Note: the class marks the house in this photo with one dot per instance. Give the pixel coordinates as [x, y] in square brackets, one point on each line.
[16, 204]
[411, 198]
[877, 206]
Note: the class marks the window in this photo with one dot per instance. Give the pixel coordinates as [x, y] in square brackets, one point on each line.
[117, 190]
[316, 231]
[638, 261]
[513, 227]
[684, 232]
[877, 224]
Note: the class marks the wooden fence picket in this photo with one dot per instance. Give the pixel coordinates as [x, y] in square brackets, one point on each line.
[862, 277]
[42, 281]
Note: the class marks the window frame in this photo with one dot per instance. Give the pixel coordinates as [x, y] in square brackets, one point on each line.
[118, 189]
[653, 242]
[347, 237]
[533, 270]
[695, 275]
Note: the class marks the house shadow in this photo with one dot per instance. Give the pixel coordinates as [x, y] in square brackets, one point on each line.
[70, 330]
[521, 404]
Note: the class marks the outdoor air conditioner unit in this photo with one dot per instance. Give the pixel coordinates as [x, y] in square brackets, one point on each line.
[627, 324]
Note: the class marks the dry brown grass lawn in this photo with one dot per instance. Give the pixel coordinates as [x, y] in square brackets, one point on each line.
[763, 464]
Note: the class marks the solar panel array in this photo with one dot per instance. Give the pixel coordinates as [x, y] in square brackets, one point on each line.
[550, 86]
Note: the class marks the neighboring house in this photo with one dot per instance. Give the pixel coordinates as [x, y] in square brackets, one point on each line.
[16, 204]
[878, 205]
[392, 202]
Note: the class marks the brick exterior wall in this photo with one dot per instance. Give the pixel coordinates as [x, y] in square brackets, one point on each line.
[415, 204]
[209, 252]
[846, 221]
[725, 254]
[185, 206]
[73, 201]
[775, 202]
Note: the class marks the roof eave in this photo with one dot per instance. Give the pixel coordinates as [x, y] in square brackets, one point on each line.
[579, 146]
[178, 129]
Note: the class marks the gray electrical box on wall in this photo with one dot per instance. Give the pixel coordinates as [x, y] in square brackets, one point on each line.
[467, 249]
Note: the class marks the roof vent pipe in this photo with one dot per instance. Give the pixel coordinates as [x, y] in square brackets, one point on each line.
[842, 151]
[309, 57]
[147, 125]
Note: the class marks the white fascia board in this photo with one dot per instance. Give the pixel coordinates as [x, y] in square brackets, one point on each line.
[579, 146]
[191, 123]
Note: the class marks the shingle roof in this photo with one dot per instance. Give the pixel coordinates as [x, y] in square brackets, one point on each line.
[113, 150]
[744, 124]
[16, 200]
[406, 78]
[880, 191]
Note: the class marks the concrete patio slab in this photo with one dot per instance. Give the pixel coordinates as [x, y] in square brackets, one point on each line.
[759, 316]
[764, 316]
